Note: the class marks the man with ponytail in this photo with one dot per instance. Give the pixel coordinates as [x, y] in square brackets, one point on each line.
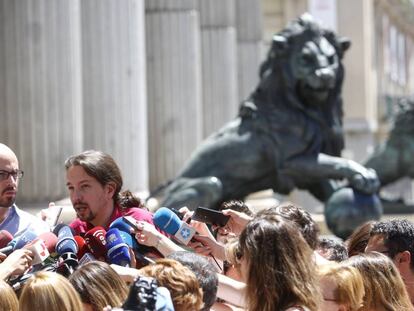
[94, 182]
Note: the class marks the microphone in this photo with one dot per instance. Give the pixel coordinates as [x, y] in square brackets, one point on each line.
[66, 243]
[19, 242]
[169, 222]
[121, 225]
[118, 251]
[5, 238]
[95, 239]
[67, 248]
[82, 247]
[42, 247]
[50, 239]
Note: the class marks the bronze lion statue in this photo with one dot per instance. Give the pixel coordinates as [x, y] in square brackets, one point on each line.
[394, 159]
[288, 133]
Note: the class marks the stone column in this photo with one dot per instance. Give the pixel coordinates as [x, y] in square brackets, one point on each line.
[219, 63]
[114, 85]
[249, 38]
[40, 91]
[359, 89]
[174, 85]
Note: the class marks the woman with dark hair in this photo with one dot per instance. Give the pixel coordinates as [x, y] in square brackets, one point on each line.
[98, 286]
[277, 266]
[358, 240]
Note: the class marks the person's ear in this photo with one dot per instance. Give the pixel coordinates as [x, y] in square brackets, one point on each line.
[403, 258]
[110, 188]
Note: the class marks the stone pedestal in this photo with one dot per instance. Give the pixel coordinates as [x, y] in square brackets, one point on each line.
[114, 85]
[40, 91]
[174, 85]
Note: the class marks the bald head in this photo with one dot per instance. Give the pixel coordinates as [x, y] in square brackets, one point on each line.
[5, 151]
[8, 183]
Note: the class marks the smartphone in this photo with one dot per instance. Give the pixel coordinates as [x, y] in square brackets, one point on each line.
[131, 221]
[53, 214]
[210, 216]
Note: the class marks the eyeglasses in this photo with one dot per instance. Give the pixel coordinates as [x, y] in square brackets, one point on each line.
[17, 174]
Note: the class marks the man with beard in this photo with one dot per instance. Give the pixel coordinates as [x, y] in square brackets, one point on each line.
[13, 219]
[94, 183]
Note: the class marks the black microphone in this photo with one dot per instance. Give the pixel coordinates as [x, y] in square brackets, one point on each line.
[67, 248]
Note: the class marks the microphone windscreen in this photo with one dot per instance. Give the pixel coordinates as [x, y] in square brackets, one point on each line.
[82, 247]
[118, 252]
[66, 243]
[166, 220]
[95, 239]
[5, 238]
[26, 237]
[121, 224]
[129, 240]
[50, 241]
[60, 226]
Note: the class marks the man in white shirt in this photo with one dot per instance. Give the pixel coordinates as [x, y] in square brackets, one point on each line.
[13, 219]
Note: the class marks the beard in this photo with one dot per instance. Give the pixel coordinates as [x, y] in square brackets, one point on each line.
[83, 212]
[7, 200]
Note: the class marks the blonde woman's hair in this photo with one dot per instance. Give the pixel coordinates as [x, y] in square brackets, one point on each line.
[182, 283]
[49, 291]
[8, 299]
[349, 284]
[384, 287]
[99, 285]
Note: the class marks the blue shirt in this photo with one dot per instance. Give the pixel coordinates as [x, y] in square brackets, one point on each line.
[18, 221]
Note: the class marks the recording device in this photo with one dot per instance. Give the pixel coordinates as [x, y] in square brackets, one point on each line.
[82, 247]
[131, 221]
[5, 238]
[125, 231]
[42, 247]
[95, 239]
[145, 295]
[52, 214]
[118, 250]
[18, 283]
[67, 248]
[210, 216]
[142, 295]
[169, 222]
[66, 242]
[18, 242]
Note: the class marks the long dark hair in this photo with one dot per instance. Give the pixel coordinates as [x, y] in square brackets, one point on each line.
[104, 169]
[281, 271]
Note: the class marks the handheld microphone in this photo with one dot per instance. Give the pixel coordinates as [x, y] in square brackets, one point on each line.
[50, 239]
[42, 247]
[19, 242]
[39, 251]
[66, 243]
[5, 238]
[121, 225]
[95, 239]
[82, 247]
[118, 251]
[169, 222]
[67, 248]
